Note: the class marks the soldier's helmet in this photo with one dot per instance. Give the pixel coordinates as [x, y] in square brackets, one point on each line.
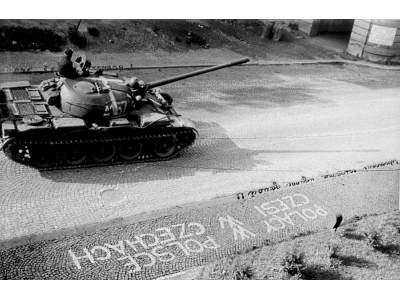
[68, 52]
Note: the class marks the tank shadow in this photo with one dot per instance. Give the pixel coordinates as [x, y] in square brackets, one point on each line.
[214, 151]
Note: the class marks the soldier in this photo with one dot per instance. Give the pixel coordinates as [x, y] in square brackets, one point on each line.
[83, 69]
[66, 67]
[86, 67]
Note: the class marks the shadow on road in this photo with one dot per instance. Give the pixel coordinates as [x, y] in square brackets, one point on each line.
[258, 97]
[215, 152]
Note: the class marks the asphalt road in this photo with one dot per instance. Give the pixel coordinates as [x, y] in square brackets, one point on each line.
[257, 125]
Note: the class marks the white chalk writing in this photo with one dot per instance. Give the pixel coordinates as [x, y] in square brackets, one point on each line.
[236, 226]
[146, 249]
[288, 210]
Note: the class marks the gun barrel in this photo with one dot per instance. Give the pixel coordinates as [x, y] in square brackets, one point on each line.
[157, 83]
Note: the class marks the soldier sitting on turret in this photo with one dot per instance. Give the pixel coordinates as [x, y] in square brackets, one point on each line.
[66, 67]
[84, 68]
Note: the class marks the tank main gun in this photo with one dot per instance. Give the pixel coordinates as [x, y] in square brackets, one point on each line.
[162, 82]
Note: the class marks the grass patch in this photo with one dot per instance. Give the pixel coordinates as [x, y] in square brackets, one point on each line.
[368, 247]
[93, 31]
[244, 273]
[77, 38]
[374, 239]
[18, 38]
[293, 264]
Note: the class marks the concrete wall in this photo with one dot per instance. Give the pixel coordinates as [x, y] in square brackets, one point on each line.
[307, 26]
[376, 40]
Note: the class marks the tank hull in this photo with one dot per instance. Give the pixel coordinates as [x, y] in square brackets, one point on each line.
[86, 130]
[99, 148]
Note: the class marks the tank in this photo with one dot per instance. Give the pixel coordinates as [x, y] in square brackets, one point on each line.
[96, 120]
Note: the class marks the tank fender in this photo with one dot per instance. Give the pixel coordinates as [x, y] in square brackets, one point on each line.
[181, 122]
[60, 123]
[14, 84]
[25, 127]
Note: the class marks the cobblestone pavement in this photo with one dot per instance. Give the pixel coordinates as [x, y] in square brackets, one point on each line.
[257, 125]
[185, 238]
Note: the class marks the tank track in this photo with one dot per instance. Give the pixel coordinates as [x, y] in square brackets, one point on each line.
[19, 149]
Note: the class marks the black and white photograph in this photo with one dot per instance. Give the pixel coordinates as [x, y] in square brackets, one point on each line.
[199, 148]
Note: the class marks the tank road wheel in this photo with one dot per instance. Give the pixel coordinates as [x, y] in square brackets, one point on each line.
[75, 154]
[103, 152]
[129, 150]
[43, 156]
[165, 147]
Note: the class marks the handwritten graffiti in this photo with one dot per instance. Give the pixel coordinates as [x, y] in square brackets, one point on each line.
[273, 187]
[164, 245]
[236, 226]
[382, 164]
[373, 166]
[339, 173]
[252, 194]
[302, 181]
[288, 210]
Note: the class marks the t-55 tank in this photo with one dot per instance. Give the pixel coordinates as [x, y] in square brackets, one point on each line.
[93, 120]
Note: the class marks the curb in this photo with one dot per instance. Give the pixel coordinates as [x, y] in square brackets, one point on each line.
[257, 63]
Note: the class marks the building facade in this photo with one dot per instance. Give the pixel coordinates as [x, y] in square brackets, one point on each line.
[376, 40]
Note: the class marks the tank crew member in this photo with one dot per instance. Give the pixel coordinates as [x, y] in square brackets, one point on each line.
[79, 61]
[78, 64]
[84, 68]
[132, 82]
[66, 67]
